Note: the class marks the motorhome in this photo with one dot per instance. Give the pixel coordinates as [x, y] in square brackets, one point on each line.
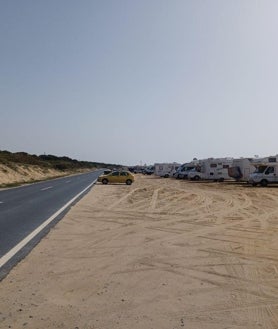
[266, 172]
[165, 169]
[184, 169]
[211, 169]
[241, 169]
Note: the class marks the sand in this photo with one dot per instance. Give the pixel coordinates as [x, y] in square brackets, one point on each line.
[19, 173]
[161, 253]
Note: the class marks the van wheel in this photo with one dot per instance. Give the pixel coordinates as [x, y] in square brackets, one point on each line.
[264, 183]
[197, 178]
[105, 181]
[221, 179]
[128, 182]
[166, 176]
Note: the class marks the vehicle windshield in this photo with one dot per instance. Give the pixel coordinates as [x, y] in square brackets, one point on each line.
[260, 169]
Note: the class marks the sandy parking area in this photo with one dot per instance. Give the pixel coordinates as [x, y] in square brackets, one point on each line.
[158, 254]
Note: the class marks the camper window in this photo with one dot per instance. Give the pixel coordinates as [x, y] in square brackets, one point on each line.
[226, 166]
[213, 165]
[269, 170]
[260, 169]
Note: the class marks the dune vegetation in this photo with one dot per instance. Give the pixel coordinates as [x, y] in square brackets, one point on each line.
[20, 167]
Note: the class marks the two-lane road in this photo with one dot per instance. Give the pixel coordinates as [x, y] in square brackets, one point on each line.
[27, 212]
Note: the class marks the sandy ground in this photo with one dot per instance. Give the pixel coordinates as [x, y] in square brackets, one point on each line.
[158, 254]
[18, 173]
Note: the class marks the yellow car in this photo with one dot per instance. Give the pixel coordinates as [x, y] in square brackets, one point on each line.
[117, 177]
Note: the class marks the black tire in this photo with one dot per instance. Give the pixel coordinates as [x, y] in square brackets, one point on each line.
[264, 183]
[221, 180]
[166, 176]
[197, 177]
[105, 181]
[128, 182]
[254, 184]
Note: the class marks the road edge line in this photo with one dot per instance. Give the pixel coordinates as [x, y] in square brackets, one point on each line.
[8, 256]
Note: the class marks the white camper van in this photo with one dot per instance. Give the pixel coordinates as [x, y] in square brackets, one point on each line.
[241, 169]
[184, 169]
[266, 172]
[165, 169]
[212, 169]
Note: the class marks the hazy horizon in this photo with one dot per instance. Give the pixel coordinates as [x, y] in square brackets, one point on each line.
[135, 82]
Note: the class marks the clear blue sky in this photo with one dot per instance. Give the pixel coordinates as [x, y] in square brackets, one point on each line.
[132, 81]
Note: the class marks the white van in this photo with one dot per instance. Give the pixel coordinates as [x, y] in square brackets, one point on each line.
[165, 169]
[212, 169]
[183, 170]
[264, 174]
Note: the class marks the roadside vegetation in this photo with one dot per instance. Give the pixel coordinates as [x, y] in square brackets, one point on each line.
[50, 161]
[20, 167]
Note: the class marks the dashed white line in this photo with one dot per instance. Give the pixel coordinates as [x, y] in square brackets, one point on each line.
[46, 188]
[4, 259]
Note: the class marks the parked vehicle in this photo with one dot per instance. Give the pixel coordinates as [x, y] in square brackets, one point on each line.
[106, 171]
[148, 170]
[183, 171]
[211, 169]
[265, 173]
[138, 170]
[165, 169]
[241, 169]
[117, 177]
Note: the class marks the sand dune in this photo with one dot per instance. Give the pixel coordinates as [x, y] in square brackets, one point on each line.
[20, 173]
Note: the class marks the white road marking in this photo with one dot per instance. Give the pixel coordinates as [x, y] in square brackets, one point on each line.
[4, 259]
[46, 188]
[1, 202]
[68, 181]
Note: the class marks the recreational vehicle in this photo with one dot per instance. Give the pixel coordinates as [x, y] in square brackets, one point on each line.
[211, 169]
[184, 169]
[165, 169]
[241, 169]
[266, 172]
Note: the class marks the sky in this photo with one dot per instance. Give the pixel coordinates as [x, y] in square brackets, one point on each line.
[139, 81]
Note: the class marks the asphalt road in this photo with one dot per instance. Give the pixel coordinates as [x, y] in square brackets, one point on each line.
[25, 208]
